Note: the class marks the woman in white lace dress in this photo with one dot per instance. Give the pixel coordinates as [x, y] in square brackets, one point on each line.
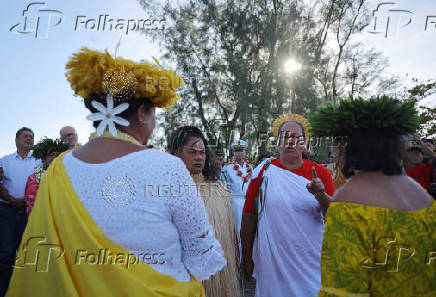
[190, 145]
[122, 220]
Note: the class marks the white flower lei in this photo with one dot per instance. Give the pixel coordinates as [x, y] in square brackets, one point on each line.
[39, 171]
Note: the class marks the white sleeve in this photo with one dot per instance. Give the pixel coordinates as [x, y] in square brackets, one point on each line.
[224, 177]
[201, 252]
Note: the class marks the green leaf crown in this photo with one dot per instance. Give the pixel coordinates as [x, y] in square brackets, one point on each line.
[47, 146]
[383, 112]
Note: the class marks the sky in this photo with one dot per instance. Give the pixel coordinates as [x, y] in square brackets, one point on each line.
[36, 94]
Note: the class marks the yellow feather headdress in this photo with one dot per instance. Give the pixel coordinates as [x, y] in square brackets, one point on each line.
[93, 73]
[291, 117]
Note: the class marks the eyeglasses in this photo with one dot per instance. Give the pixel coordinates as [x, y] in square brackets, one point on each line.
[69, 135]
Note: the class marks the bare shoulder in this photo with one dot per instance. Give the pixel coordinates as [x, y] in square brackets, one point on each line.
[343, 194]
[396, 192]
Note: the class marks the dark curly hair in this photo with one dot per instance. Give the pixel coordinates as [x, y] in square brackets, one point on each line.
[181, 137]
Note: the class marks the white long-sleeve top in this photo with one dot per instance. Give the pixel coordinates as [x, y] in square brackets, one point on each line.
[147, 203]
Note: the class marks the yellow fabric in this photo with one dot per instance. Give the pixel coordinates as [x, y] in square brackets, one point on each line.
[341, 293]
[120, 136]
[378, 251]
[62, 223]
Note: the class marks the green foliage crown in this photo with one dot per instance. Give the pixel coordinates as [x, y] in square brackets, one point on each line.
[382, 112]
[47, 146]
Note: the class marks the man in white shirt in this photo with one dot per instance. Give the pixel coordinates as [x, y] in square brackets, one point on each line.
[16, 169]
[69, 136]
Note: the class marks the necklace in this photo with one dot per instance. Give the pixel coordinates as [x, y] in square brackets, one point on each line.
[39, 171]
[239, 172]
[120, 136]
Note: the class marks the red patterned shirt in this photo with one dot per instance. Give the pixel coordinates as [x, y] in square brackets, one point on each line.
[31, 190]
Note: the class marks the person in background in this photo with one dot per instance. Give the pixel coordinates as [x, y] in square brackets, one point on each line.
[218, 161]
[190, 145]
[46, 150]
[263, 157]
[417, 169]
[69, 136]
[236, 176]
[17, 168]
[330, 157]
[427, 145]
[337, 150]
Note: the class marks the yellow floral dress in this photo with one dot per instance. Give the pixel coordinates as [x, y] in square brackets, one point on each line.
[375, 251]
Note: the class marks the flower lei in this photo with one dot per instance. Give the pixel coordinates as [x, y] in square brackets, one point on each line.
[239, 172]
[39, 171]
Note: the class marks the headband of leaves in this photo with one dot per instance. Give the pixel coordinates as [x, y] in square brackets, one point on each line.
[351, 114]
[47, 146]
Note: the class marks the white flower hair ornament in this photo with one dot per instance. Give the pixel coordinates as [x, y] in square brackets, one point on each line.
[108, 115]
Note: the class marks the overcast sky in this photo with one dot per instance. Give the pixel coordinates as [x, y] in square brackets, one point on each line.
[36, 94]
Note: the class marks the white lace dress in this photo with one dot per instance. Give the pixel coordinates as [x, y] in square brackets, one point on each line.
[147, 203]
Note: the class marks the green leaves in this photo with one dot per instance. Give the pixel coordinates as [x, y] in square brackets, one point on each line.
[47, 146]
[356, 113]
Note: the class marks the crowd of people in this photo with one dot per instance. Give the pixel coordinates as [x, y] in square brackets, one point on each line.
[129, 220]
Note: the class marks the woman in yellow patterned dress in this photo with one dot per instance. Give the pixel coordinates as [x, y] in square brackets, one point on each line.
[379, 238]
